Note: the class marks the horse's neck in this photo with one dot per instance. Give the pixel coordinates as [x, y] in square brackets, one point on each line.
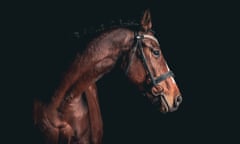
[98, 59]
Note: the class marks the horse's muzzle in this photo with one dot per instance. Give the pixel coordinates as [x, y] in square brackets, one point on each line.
[176, 103]
[161, 102]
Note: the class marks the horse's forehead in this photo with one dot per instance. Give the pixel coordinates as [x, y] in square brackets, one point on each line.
[146, 36]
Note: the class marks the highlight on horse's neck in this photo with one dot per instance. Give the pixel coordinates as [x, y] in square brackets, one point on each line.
[99, 58]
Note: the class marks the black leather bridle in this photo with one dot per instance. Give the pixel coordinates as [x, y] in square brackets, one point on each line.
[138, 46]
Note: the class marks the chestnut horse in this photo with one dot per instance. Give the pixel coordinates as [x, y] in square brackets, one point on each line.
[73, 113]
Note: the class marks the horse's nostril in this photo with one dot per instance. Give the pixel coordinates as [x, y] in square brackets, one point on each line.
[178, 101]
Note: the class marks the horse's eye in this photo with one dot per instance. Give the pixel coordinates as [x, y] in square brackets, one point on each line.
[156, 53]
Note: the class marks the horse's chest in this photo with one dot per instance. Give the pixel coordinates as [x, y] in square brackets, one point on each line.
[76, 109]
[77, 117]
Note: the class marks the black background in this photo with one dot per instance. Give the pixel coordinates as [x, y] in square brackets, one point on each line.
[194, 40]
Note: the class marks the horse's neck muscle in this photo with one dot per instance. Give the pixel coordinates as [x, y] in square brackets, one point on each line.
[98, 59]
[94, 114]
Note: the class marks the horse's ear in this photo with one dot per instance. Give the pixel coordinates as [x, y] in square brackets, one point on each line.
[146, 21]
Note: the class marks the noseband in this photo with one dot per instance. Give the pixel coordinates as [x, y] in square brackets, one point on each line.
[138, 46]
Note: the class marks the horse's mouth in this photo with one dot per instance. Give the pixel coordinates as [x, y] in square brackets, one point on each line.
[159, 102]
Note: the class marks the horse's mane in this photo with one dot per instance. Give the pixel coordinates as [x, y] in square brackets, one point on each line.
[81, 37]
[93, 30]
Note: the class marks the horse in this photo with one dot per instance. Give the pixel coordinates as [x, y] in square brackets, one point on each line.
[73, 114]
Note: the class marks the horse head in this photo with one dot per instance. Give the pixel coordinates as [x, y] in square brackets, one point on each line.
[148, 69]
